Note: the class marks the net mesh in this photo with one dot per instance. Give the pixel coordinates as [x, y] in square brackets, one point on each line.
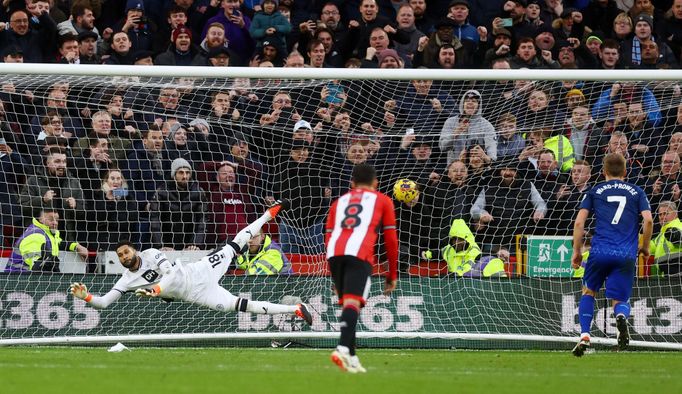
[105, 152]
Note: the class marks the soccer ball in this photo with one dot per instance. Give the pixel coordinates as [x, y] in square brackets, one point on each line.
[405, 190]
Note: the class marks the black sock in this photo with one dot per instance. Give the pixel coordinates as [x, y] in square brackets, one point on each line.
[349, 319]
[351, 348]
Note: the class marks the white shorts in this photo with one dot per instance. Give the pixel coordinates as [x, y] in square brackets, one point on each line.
[203, 281]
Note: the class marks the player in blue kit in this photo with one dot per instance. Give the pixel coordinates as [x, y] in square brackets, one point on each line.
[617, 206]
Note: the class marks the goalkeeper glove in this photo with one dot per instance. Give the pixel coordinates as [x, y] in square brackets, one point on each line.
[153, 292]
[79, 290]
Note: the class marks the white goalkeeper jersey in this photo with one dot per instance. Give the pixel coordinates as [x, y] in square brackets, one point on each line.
[153, 265]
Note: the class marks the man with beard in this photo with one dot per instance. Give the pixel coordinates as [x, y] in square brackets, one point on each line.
[182, 52]
[87, 48]
[507, 199]
[215, 39]
[388, 58]
[430, 47]
[55, 188]
[235, 25]
[422, 21]
[361, 30]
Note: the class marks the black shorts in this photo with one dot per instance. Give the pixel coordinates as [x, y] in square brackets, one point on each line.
[351, 277]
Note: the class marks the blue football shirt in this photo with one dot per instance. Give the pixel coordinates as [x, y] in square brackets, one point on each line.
[616, 206]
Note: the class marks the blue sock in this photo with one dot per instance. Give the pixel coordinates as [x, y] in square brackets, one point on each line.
[622, 308]
[586, 313]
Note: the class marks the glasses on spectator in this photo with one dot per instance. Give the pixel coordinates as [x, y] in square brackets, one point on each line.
[55, 122]
[622, 23]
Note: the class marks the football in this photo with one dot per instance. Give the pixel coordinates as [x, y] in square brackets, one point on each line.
[405, 191]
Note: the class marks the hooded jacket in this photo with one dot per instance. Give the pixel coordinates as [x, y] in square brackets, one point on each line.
[469, 262]
[480, 132]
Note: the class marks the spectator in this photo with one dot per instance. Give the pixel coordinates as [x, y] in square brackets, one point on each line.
[593, 43]
[144, 169]
[57, 189]
[331, 19]
[548, 179]
[270, 23]
[114, 213]
[122, 118]
[671, 29]
[178, 212]
[508, 199]
[459, 11]
[316, 54]
[82, 20]
[13, 169]
[101, 128]
[283, 112]
[675, 144]
[263, 257]
[181, 52]
[510, 144]
[212, 44]
[646, 142]
[565, 203]
[665, 186]
[450, 198]
[536, 111]
[501, 47]
[609, 55]
[92, 167]
[57, 99]
[618, 142]
[51, 126]
[622, 28]
[307, 186]
[600, 15]
[406, 25]
[463, 255]
[87, 48]
[230, 206]
[423, 107]
[516, 11]
[120, 51]
[38, 248]
[37, 45]
[631, 49]
[444, 34]
[271, 51]
[652, 58]
[468, 128]
[414, 160]
[422, 21]
[526, 56]
[360, 29]
[176, 16]
[666, 246]
[139, 28]
[183, 142]
[236, 26]
[583, 133]
[627, 92]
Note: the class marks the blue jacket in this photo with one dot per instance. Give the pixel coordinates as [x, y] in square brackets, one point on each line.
[262, 21]
[143, 177]
[602, 108]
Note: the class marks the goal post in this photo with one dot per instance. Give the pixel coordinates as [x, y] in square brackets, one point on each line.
[516, 291]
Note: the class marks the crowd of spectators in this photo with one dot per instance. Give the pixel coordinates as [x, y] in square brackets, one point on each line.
[184, 163]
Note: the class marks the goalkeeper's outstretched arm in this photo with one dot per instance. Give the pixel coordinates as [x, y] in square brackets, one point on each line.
[79, 290]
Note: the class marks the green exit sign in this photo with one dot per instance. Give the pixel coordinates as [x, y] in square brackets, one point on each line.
[549, 256]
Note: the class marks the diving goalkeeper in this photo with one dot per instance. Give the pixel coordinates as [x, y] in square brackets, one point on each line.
[151, 274]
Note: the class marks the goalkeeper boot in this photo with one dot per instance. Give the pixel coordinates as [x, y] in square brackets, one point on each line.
[278, 206]
[355, 364]
[623, 336]
[581, 347]
[342, 359]
[304, 313]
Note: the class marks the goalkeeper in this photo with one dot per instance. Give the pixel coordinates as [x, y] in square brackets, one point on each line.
[151, 274]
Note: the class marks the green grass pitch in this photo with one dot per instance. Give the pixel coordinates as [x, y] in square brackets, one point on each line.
[240, 371]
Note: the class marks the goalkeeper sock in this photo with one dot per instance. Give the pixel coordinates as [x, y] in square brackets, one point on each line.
[268, 308]
[622, 308]
[351, 349]
[586, 313]
[249, 231]
[349, 321]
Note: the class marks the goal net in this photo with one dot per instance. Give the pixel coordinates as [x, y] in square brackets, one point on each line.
[499, 159]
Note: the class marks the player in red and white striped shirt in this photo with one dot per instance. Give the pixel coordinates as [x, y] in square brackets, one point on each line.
[351, 235]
